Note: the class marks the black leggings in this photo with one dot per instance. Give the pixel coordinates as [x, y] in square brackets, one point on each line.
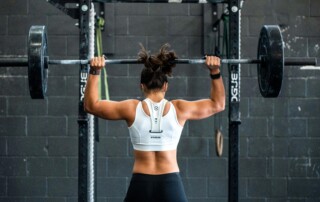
[156, 188]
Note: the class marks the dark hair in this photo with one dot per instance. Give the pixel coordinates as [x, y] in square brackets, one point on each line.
[156, 67]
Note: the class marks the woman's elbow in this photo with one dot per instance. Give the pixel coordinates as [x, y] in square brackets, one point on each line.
[221, 106]
[88, 108]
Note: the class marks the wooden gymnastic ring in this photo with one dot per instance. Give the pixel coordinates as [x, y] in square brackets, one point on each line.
[219, 142]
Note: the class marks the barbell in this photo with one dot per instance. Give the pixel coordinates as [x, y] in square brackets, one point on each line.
[270, 61]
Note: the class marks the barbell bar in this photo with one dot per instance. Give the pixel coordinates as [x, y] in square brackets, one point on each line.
[270, 61]
[23, 61]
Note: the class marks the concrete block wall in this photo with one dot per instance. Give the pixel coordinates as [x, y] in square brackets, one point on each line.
[279, 138]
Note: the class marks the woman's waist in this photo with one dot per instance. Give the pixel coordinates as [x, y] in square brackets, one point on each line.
[153, 166]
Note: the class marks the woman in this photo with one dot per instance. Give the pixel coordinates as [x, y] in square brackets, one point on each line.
[155, 124]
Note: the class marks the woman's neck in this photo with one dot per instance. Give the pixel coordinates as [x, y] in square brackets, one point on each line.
[155, 96]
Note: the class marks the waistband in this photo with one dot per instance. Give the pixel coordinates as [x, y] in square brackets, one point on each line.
[162, 177]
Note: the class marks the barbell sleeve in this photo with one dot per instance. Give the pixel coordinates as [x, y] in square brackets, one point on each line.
[10, 61]
[300, 61]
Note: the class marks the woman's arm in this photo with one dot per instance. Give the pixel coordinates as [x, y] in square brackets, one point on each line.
[206, 107]
[111, 110]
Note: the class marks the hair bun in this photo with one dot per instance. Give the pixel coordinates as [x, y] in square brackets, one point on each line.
[167, 57]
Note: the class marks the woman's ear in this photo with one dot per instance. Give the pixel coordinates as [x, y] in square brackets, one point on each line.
[142, 87]
[165, 87]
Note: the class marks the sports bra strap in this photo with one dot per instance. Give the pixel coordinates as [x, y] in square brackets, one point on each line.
[156, 112]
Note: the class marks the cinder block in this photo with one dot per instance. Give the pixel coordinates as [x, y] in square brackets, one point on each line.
[255, 8]
[180, 26]
[117, 129]
[260, 107]
[60, 106]
[157, 26]
[301, 147]
[129, 45]
[13, 7]
[113, 146]
[121, 25]
[259, 147]
[198, 87]
[12, 167]
[311, 90]
[195, 9]
[20, 25]
[112, 187]
[195, 49]
[195, 187]
[207, 167]
[62, 146]
[3, 186]
[66, 187]
[178, 44]
[267, 188]
[72, 86]
[161, 9]
[281, 146]
[62, 25]
[314, 5]
[3, 146]
[313, 127]
[25, 186]
[253, 127]
[47, 126]
[27, 146]
[202, 128]
[294, 87]
[193, 147]
[56, 86]
[26, 106]
[13, 45]
[73, 47]
[117, 87]
[18, 86]
[304, 107]
[3, 25]
[303, 188]
[120, 167]
[57, 46]
[280, 167]
[13, 126]
[45, 199]
[249, 88]
[72, 166]
[50, 167]
[101, 165]
[298, 167]
[218, 187]
[252, 167]
[296, 7]
[39, 7]
[129, 9]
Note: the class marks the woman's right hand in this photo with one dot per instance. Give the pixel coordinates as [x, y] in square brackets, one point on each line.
[97, 63]
[213, 63]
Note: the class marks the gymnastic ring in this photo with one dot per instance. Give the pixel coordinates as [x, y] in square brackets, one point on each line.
[219, 142]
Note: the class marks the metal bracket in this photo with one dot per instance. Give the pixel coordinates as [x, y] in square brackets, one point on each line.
[69, 7]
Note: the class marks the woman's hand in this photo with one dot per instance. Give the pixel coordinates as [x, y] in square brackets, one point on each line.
[97, 63]
[213, 64]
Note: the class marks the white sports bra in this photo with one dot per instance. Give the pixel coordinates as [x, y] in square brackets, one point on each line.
[155, 132]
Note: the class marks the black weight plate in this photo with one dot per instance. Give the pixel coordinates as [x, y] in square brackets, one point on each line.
[37, 63]
[270, 52]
